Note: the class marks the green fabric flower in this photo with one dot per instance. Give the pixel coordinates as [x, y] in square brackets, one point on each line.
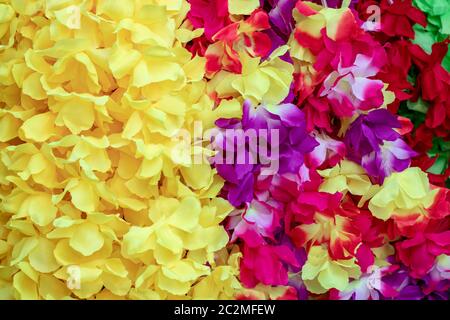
[441, 150]
[438, 27]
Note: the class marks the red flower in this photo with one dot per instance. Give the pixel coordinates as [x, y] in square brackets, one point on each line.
[397, 16]
[419, 252]
[395, 71]
[247, 35]
[433, 79]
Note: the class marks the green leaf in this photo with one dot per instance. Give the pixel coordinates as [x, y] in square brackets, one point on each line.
[445, 22]
[433, 7]
[424, 38]
[441, 149]
[440, 165]
[419, 105]
[446, 61]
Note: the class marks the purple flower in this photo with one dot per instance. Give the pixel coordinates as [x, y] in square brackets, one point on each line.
[374, 144]
[335, 3]
[266, 141]
[393, 156]
[281, 21]
[367, 132]
[427, 288]
[295, 279]
[280, 16]
[395, 282]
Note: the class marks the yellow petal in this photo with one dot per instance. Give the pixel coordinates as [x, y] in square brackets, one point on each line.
[84, 196]
[87, 239]
[414, 182]
[9, 126]
[150, 168]
[32, 87]
[40, 127]
[116, 267]
[133, 126]
[198, 176]
[187, 214]
[41, 209]
[333, 277]
[42, 258]
[25, 287]
[137, 240]
[76, 115]
[172, 286]
[116, 10]
[182, 271]
[123, 60]
[167, 238]
[89, 289]
[22, 249]
[117, 285]
[242, 6]
[51, 288]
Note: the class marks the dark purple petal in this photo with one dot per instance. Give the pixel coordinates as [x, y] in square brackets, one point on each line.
[281, 144]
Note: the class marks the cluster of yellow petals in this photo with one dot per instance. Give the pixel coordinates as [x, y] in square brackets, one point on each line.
[347, 176]
[402, 194]
[266, 82]
[91, 94]
[320, 273]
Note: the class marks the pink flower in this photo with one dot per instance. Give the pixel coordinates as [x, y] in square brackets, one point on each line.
[212, 15]
[350, 88]
[267, 265]
[328, 153]
[419, 252]
[259, 220]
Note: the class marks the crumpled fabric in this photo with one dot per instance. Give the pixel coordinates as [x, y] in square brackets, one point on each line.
[100, 200]
[91, 94]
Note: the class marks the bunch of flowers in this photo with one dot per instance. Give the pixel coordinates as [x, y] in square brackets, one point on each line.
[352, 201]
[325, 174]
[92, 206]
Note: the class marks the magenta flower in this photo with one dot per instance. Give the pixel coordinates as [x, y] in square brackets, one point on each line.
[212, 15]
[351, 88]
[258, 221]
[328, 153]
[267, 264]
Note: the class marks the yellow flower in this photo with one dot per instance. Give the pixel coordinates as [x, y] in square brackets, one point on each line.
[242, 6]
[402, 194]
[320, 273]
[222, 283]
[92, 206]
[346, 176]
[265, 82]
[8, 25]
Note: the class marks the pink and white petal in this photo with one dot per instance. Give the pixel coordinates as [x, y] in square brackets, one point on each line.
[365, 89]
[364, 66]
[400, 149]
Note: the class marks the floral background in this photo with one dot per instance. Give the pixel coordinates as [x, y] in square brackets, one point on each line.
[93, 206]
